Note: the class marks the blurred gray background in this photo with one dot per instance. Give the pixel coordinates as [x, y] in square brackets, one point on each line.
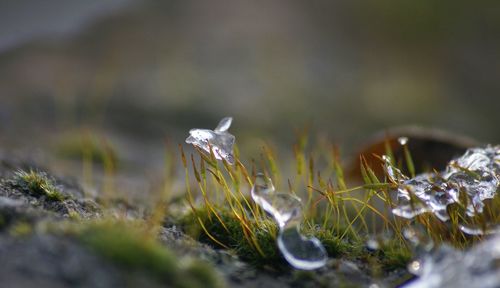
[142, 72]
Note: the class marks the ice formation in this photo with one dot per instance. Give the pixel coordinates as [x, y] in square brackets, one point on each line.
[475, 175]
[447, 267]
[218, 140]
[301, 252]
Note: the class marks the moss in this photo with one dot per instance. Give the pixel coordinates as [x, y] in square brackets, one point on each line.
[20, 229]
[335, 246]
[132, 248]
[72, 214]
[232, 235]
[200, 274]
[395, 258]
[38, 184]
[128, 248]
[266, 239]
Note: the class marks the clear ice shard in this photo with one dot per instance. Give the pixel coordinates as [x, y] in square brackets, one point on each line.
[219, 140]
[474, 175]
[447, 267]
[301, 252]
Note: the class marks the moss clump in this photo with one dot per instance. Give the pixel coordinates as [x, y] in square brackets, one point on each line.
[334, 245]
[128, 248]
[132, 248]
[253, 241]
[20, 229]
[395, 257]
[38, 184]
[392, 254]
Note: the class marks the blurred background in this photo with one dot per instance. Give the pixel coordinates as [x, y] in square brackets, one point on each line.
[126, 76]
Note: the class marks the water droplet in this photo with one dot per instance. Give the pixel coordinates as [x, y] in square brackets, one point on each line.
[394, 174]
[411, 234]
[372, 244]
[301, 252]
[224, 124]
[414, 267]
[403, 140]
[219, 140]
[476, 231]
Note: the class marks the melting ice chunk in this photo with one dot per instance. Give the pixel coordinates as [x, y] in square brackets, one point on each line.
[301, 252]
[447, 267]
[219, 140]
[476, 173]
[395, 175]
[284, 207]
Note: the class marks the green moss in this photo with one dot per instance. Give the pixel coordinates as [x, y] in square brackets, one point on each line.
[395, 258]
[200, 274]
[38, 184]
[129, 248]
[335, 246]
[132, 248]
[20, 229]
[232, 235]
[265, 236]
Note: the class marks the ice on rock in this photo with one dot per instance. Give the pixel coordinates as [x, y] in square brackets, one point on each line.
[301, 252]
[219, 140]
[447, 267]
[476, 173]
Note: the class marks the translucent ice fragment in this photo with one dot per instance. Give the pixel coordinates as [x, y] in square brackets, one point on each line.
[475, 230]
[372, 244]
[301, 252]
[447, 267]
[219, 140]
[282, 206]
[224, 124]
[409, 212]
[395, 175]
[476, 174]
